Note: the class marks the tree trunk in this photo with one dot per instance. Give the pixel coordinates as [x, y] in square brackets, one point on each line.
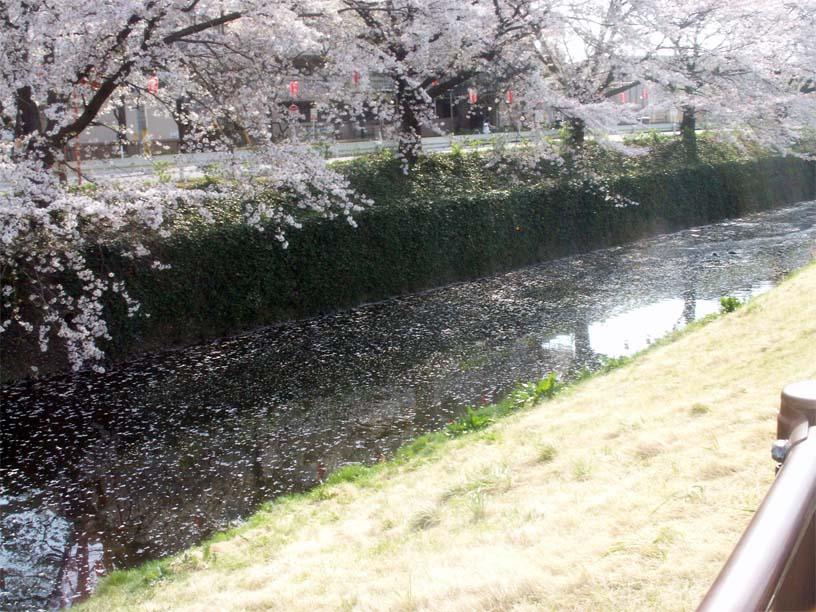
[29, 124]
[573, 144]
[409, 146]
[120, 113]
[688, 135]
[28, 114]
[183, 123]
[576, 133]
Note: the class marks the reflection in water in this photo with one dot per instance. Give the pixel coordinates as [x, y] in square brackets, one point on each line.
[105, 471]
[636, 329]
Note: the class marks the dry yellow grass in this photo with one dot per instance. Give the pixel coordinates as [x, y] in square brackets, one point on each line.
[657, 470]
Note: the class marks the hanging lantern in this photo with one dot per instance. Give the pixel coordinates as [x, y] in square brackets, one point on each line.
[95, 83]
[356, 78]
[472, 96]
[645, 94]
[509, 96]
[153, 85]
[294, 88]
[435, 83]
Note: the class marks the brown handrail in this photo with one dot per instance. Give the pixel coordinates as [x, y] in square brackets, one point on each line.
[773, 566]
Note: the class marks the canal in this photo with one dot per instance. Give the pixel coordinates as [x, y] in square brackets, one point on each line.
[104, 471]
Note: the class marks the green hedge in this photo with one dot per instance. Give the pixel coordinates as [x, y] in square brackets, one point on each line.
[227, 277]
[231, 278]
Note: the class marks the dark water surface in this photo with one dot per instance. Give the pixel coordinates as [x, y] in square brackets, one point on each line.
[104, 471]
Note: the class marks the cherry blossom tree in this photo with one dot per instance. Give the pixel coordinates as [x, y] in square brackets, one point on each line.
[67, 63]
[705, 56]
[583, 58]
[784, 63]
[222, 68]
[426, 48]
[746, 65]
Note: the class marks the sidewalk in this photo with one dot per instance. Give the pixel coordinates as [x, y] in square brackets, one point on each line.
[192, 165]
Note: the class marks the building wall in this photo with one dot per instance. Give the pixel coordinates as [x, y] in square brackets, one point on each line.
[151, 129]
[147, 126]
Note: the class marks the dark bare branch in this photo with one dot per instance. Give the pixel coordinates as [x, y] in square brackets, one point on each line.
[201, 27]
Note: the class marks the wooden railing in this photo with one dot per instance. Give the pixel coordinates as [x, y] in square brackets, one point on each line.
[773, 566]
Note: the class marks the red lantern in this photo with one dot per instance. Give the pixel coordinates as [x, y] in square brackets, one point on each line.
[153, 85]
[509, 96]
[293, 108]
[434, 82]
[472, 96]
[356, 78]
[294, 88]
[645, 94]
[95, 84]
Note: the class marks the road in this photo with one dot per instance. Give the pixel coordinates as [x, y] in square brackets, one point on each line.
[192, 165]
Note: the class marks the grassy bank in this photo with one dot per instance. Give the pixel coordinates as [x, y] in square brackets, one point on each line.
[627, 491]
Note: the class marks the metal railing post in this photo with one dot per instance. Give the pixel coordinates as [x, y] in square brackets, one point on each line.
[774, 564]
[797, 413]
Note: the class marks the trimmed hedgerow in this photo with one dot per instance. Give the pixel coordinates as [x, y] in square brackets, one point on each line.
[229, 277]
[232, 277]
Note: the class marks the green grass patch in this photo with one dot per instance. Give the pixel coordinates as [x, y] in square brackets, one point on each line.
[424, 520]
[581, 470]
[356, 473]
[546, 453]
[729, 304]
[699, 409]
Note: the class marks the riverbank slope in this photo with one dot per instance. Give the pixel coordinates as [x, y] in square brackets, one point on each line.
[626, 492]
